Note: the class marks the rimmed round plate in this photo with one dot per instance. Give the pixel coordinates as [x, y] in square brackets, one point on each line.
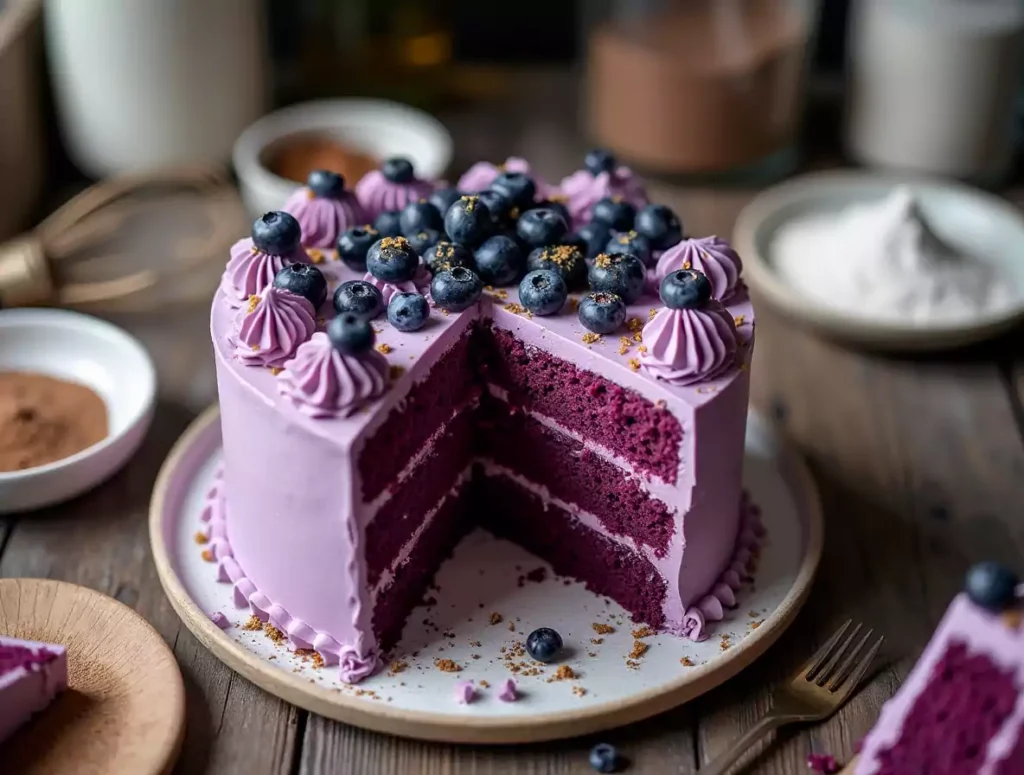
[977, 222]
[124, 710]
[490, 595]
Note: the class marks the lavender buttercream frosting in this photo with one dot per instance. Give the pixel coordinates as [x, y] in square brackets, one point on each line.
[685, 346]
[481, 175]
[711, 255]
[585, 189]
[250, 271]
[324, 218]
[420, 283]
[323, 382]
[354, 667]
[377, 194]
[272, 327]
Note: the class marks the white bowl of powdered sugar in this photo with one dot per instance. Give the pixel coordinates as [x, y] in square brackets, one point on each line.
[886, 262]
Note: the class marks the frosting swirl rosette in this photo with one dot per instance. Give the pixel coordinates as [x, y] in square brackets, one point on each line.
[322, 381]
[693, 339]
[391, 188]
[272, 327]
[255, 261]
[481, 175]
[602, 178]
[324, 209]
[713, 256]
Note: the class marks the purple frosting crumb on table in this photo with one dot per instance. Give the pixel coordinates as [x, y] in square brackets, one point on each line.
[220, 620]
[508, 692]
[465, 692]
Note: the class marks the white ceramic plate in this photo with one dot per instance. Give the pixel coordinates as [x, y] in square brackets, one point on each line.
[378, 127]
[982, 224]
[82, 349]
[419, 702]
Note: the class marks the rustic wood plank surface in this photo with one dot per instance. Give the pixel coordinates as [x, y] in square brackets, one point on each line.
[921, 465]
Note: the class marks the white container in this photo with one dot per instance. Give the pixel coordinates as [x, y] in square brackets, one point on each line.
[933, 85]
[142, 84]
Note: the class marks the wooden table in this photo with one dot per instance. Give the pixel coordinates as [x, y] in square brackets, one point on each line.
[920, 462]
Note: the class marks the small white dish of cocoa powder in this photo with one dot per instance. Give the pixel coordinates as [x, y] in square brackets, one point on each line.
[76, 399]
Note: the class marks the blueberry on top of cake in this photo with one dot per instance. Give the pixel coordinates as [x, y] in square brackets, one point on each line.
[324, 209]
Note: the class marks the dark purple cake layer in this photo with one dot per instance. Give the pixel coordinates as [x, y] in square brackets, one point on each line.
[606, 567]
[389, 530]
[593, 407]
[573, 474]
[436, 543]
[429, 405]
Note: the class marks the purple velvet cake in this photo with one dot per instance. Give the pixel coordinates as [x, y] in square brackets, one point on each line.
[31, 676]
[600, 427]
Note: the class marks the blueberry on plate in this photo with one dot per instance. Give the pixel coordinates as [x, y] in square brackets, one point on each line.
[633, 243]
[392, 260]
[660, 226]
[398, 169]
[359, 298]
[455, 289]
[499, 260]
[599, 160]
[442, 199]
[468, 221]
[350, 334]
[594, 236]
[276, 233]
[417, 216]
[304, 280]
[388, 224]
[602, 312]
[502, 211]
[543, 292]
[445, 255]
[544, 644]
[518, 188]
[424, 240]
[567, 260]
[614, 211]
[685, 289]
[991, 586]
[353, 244]
[604, 758]
[408, 311]
[541, 227]
[618, 273]
[326, 184]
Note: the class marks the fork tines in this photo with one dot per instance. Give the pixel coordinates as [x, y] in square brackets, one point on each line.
[842, 661]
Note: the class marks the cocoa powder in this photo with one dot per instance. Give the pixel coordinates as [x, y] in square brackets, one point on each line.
[44, 419]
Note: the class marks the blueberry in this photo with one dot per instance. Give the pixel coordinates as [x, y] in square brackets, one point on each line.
[417, 216]
[499, 261]
[388, 224]
[408, 311]
[398, 170]
[325, 183]
[602, 312]
[619, 273]
[360, 298]
[350, 334]
[556, 205]
[567, 260]
[276, 233]
[424, 240]
[444, 198]
[468, 221]
[594, 236]
[502, 211]
[353, 244]
[517, 187]
[599, 160]
[305, 280]
[991, 586]
[604, 758]
[660, 226]
[685, 289]
[544, 644]
[445, 255]
[632, 243]
[392, 260]
[455, 289]
[542, 226]
[614, 211]
[543, 292]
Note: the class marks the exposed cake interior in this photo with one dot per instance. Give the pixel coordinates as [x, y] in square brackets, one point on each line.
[31, 675]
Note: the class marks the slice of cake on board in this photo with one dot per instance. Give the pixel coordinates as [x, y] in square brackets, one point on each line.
[31, 676]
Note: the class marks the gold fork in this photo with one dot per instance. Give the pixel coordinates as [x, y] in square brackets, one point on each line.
[813, 694]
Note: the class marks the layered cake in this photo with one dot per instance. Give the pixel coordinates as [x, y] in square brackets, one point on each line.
[961, 709]
[554, 363]
[31, 676]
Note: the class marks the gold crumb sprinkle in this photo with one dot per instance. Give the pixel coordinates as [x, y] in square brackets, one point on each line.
[579, 691]
[318, 660]
[638, 337]
[634, 324]
[602, 629]
[485, 685]
[639, 649]
[574, 302]
[315, 255]
[634, 364]
[495, 617]
[383, 349]
[597, 641]
[398, 666]
[563, 673]
[687, 265]
[642, 349]
[590, 338]
[517, 309]
[652, 313]
[739, 320]
[253, 301]
[603, 261]
[207, 554]
[395, 372]
[447, 665]
[394, 242]
[642, 632]
[755, 625]
[253, 623]
[275, 370]
[200, 537]
[273, 633]
[255, 348]
[686, 662]
[511, 626]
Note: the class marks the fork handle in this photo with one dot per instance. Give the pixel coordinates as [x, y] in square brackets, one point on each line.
[766, 724]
